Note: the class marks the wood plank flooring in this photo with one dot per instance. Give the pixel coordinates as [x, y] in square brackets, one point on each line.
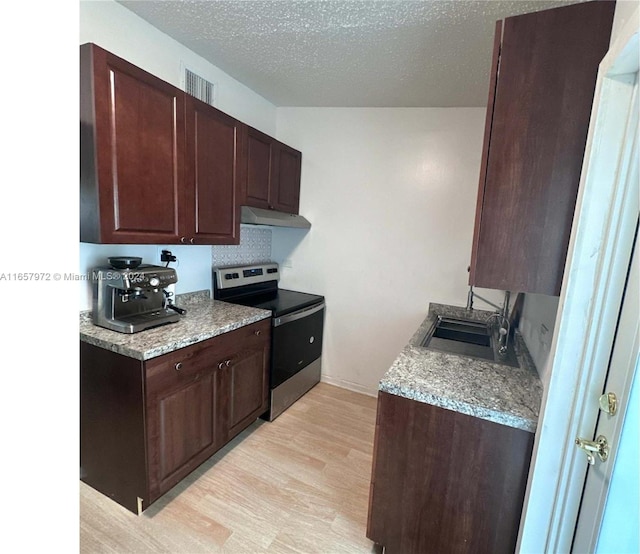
[297, 485]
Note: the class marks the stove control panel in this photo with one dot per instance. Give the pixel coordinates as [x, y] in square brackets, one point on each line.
[238, 276]
[253, 272]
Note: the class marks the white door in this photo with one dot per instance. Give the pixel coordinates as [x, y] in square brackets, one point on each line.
[608, 519]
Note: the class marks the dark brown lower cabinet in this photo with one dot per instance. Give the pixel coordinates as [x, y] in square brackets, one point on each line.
[144, 426]
[444, 481]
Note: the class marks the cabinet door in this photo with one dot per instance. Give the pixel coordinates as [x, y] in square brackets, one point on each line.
[547, 73]
[183, 405]
[211, 210]
[133, 143]
[246, 375]
[258, 172]
[285, 188]
[248, 388]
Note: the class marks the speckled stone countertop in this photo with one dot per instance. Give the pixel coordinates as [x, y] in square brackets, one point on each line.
[499, 393]
[205, 318]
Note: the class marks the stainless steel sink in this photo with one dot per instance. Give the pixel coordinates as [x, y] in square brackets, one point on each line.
[476, 339]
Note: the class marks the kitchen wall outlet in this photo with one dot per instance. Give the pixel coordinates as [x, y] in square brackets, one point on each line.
[167, 256]
[163, 262]
[159, 255]
[544, 335]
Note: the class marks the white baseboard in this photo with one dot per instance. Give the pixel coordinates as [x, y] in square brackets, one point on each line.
[355, 387]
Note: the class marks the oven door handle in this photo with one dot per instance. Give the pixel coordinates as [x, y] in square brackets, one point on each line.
[297, 315]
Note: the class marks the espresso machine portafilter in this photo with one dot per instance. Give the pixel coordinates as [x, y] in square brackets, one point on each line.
[129, 297]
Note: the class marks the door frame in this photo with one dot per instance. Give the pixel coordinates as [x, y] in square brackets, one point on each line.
[592, 290]
[621, 374]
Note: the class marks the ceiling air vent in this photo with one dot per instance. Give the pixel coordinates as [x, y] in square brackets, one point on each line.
[198, 87]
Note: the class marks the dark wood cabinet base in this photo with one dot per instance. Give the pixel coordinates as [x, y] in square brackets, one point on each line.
[444, 481]
[112, 432]
[144, 426]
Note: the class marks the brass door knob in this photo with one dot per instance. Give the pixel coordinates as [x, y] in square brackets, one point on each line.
[609, 403]
[600, 447]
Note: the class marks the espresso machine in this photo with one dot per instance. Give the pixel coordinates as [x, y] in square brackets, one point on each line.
[129, 297]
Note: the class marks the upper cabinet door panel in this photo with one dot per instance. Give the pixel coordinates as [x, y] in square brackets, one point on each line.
[258, 168]
[213, 167]
[493, 81]
[139, 122]
[286, 194]
[547, 74]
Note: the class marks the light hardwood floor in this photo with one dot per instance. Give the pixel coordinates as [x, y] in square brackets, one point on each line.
[297, 485]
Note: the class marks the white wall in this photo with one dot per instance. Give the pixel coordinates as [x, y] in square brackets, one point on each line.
[117, 29]
[391, 195]
[120, 31]
[536, 326]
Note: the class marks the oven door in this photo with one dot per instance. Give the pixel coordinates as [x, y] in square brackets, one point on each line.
[296, 342]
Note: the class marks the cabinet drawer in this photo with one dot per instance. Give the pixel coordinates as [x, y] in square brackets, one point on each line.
[182, 366]
[244, 338]
[250, 335]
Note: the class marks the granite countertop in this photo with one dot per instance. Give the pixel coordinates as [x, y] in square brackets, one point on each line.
[494, 392]
[205, 318]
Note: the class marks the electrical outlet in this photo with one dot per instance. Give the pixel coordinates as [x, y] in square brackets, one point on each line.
[544, 335]
[159, 254]
[165, 255]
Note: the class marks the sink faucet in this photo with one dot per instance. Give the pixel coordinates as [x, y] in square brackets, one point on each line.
[502, 314]
[503, 332]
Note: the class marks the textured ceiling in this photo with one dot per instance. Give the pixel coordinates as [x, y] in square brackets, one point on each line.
[429, 53]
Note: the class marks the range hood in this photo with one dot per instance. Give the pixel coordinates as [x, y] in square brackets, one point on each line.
[258, 216]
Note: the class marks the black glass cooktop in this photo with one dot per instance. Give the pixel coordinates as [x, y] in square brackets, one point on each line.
[281, 301]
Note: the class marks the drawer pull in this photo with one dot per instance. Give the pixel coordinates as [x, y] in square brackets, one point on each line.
[220, 365]
[178, 366]
[227, 363]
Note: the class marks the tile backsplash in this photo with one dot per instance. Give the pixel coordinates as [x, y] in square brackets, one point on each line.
[254, 247]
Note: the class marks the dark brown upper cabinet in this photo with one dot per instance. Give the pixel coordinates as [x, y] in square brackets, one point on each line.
[541, 90]
[211, 213]
[132, 147]
[157, 165]
[272, 173]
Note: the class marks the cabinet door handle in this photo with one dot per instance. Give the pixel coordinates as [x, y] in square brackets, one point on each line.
[258, 333]
[183, 240]
[178, 366]
[191, 240]
[227, 363]
[220, 365]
